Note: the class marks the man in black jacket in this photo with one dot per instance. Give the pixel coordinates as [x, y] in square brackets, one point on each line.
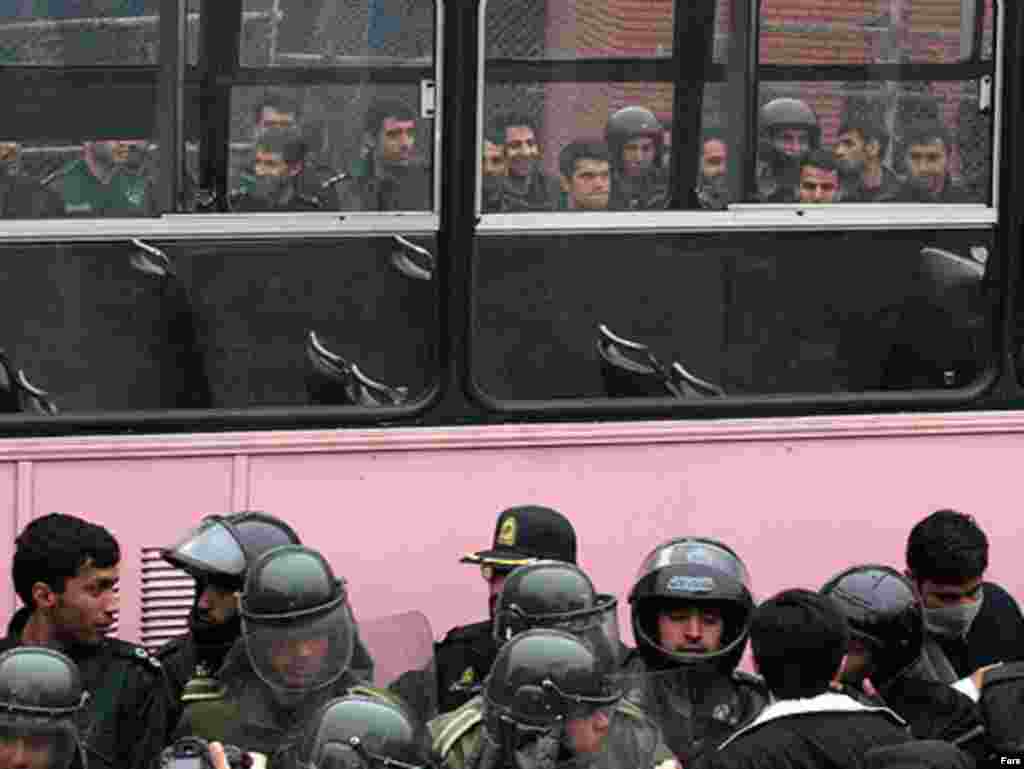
[799, 639]
[969, 623]
[65, 572]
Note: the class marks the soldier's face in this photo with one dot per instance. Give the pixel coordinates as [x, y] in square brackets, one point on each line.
[927, 163]
[693, 629]
[26, 753]
[217, 605]
[298, 661]
[587, 736]
[521, 150]
[85, 612]
[493, 160]
[638, 155]
[818, 185]
[590, 185]
[270, 164]
[397, 141]
[792, 142]
[713, 160]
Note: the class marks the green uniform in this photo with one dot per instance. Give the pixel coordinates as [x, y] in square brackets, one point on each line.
[126, 194]
[633, 740]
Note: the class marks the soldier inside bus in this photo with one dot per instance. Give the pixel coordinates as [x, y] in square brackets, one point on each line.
[585, 176]
[789, 130]
[928, 153]
[860, 154]
[108, 180]
[272, 182]
[22, 197]
[819, 178]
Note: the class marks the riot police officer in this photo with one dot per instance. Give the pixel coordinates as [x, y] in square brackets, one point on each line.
[560, 596]
[887, 636]
[691, 608]
[216, 555]
[65, 572]
[789, 130]
[40, 695]
[549, 702]
[298, 637]
[522, 535]
[358, 732]
[636, 140]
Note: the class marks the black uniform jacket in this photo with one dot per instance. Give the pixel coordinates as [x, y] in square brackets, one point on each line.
[829, 730]
[994, 637]
[463, 660]
[124, 723]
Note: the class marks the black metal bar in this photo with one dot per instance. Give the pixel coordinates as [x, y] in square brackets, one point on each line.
[385, 74]
[220, 29]
[170, 103]
[693, 49]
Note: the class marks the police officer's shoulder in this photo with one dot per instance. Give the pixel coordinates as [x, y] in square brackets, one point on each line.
[373, 693]
[468, 634]
[448, 729]
[631, 710]
[172, 647]
[751, 680]
[137, 654]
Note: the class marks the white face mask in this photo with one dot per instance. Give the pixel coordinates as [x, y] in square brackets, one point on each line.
[953, 621]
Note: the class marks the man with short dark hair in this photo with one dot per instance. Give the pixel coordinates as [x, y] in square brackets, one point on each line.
[859, 152]
[273, 180]
[928, 154]
[105, 181]
[819, 178]
[387, 177]
[799, 639]
[969, 623]
[522, 535]
[712, 180]
[525, 187]
[65, 572]
[585, 176]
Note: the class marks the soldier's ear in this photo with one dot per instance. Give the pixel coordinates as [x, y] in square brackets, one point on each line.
[43, 596]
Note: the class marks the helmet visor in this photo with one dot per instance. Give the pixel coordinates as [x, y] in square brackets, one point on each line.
[37, 742]
[695, 553]
[597, 625]
[298, 656]
[211, 549]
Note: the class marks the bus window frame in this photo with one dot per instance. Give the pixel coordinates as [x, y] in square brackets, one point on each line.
[752, 216]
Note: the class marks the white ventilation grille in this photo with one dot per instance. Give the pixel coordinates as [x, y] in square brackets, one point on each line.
[167, 596]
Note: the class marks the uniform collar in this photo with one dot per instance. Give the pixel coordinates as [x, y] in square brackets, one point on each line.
[829, 702]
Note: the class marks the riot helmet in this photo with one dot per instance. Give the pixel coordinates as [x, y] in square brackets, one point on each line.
[357, 732]
[542, 678]
[298, 629]
[692, 572]
[882, 611]
[630, 123]
[554, 594]
[40, 693]
[220, 548]
[783, 113]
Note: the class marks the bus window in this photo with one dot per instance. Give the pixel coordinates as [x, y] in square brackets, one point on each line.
[68, 146]
[893, 138]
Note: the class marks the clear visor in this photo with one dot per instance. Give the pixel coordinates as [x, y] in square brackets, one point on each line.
[695, 553]
[598, 626]
[536, 707]
[209, 548]
[37, 743]
[402, 649]
[297, 657]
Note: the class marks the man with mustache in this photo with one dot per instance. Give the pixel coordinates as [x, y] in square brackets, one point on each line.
[522, 535]
[691, 608]
[388, 176]
[104, 182]
[928, 156]
[66, 572]
[525, 187]
[860, 152]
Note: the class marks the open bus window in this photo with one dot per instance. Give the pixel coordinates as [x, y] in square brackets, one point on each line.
[894, 137]
[68, 146]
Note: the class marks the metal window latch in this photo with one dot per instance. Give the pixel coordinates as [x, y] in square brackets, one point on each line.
[985, 94]
[428, 98]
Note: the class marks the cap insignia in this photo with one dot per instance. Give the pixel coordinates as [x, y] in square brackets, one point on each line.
[507, 532]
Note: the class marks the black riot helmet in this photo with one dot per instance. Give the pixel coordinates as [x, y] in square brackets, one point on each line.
[692, 571]
[542, 678]
[882, 610]
[629, 123]
[40, 693]
[296, 622]
[356, 732]
[554, 594]
[221, 547]
[789, 113]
